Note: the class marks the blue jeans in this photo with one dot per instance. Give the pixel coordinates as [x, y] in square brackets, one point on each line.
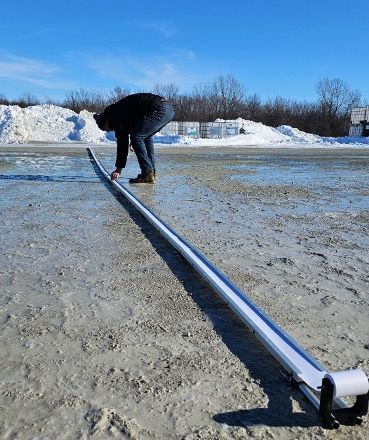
[141, 135]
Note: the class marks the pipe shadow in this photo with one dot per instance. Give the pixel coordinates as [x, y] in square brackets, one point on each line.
[263, 368]
[47, 178]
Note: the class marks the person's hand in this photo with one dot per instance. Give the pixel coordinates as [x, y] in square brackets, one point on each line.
[115, 174]
[131, 148]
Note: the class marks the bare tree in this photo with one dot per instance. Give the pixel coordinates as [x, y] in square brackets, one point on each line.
[202, 109]
[336, 97]
[252, 108]
[186, 109]
[167, 91]
[222, 98]
[3, 99]
[83, 99]
[335, 101]
[117, 94]
[52, 101]
[276, 111]
[26, 100]
[227, 96]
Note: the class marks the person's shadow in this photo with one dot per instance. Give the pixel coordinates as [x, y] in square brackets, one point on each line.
[262, 367]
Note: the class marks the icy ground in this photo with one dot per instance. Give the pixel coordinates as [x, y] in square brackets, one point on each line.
[50, 123]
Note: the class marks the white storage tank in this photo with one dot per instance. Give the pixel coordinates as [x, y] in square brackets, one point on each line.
[359, 121]
[191, 129]
[212, 130]
[356, 130]
[359, 114]
[232, 128]
[170, 128]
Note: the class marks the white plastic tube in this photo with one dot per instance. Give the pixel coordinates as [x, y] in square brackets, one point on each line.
[300, 364]
[348, 383]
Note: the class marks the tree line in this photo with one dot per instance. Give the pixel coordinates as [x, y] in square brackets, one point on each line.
[226, 98]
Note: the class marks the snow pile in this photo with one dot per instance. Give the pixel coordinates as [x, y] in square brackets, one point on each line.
[50, 123]
[85, 129]
[47, 123]
[295, 135]
[299, 137]
[258, 133]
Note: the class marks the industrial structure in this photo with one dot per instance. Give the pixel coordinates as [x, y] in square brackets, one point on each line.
[359, 125]
[207, 130]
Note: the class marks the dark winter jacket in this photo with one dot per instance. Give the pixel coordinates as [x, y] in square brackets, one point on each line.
[123, 116]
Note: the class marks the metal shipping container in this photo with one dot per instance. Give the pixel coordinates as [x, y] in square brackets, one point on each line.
[191, 129]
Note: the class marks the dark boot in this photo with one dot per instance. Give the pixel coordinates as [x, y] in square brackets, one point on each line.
[144, 178]
[140, 175]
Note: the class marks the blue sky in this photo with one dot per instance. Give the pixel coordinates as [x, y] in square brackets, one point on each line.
[275, 48]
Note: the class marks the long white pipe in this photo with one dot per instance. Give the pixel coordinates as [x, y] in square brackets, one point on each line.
[298, 363]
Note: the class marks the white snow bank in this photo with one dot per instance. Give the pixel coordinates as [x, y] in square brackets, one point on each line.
[297, 135]
[50, 123]
[300, 137]
[47, 123]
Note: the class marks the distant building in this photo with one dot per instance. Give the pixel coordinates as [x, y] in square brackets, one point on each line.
[359, 125]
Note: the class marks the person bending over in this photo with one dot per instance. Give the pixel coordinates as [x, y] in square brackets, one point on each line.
[136, 118]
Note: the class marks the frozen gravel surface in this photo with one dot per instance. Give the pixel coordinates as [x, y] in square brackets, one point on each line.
[106, 331]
